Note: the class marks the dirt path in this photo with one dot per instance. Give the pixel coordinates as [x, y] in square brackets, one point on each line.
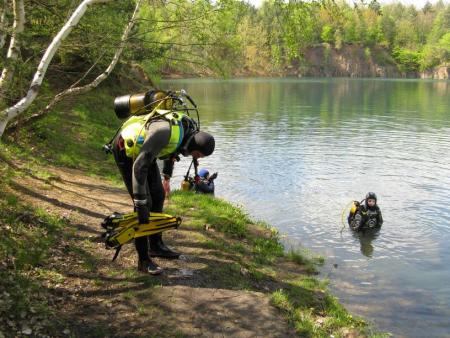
[97, 297]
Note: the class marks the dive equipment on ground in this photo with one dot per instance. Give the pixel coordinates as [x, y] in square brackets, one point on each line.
[203, 173]
[188, 182]
[122, 228]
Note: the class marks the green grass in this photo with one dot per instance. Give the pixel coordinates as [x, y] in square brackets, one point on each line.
[226, 218]
[304, 258]
[312, 311]
[26, 236]
[70, 136]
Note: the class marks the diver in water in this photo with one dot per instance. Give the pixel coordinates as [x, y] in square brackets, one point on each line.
[205, 182]
[367, 215]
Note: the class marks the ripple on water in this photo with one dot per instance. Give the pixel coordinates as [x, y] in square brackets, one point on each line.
[298, 165]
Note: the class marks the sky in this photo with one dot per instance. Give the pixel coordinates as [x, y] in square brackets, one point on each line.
[417, 3]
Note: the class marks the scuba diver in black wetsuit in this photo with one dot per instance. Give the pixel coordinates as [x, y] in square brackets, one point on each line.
[205, 182]
[136, 146]
[365, 216]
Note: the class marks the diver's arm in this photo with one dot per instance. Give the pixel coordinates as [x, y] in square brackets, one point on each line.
[380, 218]
[168, 165]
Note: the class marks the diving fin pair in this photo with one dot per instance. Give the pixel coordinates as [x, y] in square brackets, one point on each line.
[122, 228]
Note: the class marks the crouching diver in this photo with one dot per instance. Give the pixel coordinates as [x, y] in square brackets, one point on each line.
[367, 215]
[205, 182]
[160, 134]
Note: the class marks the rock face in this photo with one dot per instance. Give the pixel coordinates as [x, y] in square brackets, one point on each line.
[324, 60]
[349, 61]
[356, 61]
[438, 73]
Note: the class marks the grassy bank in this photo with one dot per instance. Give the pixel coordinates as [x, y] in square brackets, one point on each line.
[58, 278]
[241, 255]
[260, 262]
[27, 236]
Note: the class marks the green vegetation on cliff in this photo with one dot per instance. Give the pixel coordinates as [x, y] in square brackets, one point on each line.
[275, 39]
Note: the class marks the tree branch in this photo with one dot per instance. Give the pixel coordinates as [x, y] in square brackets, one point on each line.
[72, 90]
[13, 111]
[14, 44]
[3, 23]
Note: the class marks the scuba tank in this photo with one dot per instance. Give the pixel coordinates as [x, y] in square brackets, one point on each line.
[185, 185]
[353, 210]
[155, 104]
[142, 103]
[188, 182]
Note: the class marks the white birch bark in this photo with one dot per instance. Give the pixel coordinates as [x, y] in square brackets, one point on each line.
[14, 44]
[11, 112]
[3, 24]
[83, 89]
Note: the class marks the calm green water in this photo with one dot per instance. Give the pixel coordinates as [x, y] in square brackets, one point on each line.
[296, 152]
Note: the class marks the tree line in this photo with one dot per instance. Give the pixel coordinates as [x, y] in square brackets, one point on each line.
[241, 38]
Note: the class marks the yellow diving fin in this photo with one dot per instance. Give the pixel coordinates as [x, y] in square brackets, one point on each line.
[122, 228]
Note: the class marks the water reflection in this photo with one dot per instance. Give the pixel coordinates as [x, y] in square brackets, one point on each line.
[366, 237]
[336, 100]
[294, 152]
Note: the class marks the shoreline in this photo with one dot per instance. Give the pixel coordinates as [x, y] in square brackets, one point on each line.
[54, 197]
[293, 77]
[226, 252]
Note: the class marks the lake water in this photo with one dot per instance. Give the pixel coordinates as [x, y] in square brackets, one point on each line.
[295, 152]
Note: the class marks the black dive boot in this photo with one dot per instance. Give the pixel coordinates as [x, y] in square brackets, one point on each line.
[150, 267]
[159, 249]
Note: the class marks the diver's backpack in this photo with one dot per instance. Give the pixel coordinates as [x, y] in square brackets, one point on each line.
[353, 210]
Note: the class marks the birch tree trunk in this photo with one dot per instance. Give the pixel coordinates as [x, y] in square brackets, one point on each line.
[14, 44]
[3, 23]
[13, 111]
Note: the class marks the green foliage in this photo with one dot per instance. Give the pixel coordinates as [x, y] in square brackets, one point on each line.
[367, 53]
[89, 46]
[327, 34]
[409, 61]
[306, 259]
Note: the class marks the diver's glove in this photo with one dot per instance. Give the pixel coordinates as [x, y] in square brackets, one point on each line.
[142, 210]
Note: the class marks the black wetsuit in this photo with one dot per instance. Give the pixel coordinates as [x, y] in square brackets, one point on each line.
[142, 178]
[366, 218]
[204, 186]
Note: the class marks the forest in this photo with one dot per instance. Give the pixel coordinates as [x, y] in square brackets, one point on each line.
[225, 38]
